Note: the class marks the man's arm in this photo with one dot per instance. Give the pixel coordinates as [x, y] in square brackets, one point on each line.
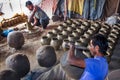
[74, 60]
[33, 13]
[35, 21]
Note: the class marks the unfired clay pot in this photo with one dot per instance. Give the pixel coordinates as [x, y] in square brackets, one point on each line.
[15, 39]
[46, 56]
[19, 63]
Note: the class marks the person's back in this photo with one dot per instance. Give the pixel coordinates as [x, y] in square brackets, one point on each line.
[96, 69]
[40, 13]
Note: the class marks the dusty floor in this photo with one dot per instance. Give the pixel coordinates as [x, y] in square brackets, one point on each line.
[32, 43]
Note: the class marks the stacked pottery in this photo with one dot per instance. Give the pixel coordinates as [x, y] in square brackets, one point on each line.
[64, 44]
[45, 40]
[55, 43]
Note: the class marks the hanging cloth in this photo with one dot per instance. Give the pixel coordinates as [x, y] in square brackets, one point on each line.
[76, 6]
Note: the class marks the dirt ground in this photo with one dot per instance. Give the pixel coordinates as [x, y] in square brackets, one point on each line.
[32, 43]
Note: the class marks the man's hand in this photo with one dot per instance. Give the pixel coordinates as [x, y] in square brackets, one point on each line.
[35, 8]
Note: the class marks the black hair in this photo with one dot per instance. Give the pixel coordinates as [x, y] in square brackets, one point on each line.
[101, 41]
[28, 3]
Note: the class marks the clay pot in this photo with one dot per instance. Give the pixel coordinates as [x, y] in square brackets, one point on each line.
[86, 23]
[69, 28]
[55, 43]
[112, 39]
[65, 42]
[73, 25]
[45, 40]
[55, 31]
[69, 21]
[87, 35]
[75, 34]
[115, 32]
[87, 53]
[71, 38]
[19, 63]
[80, 31]
[65, 24]
[15, 39]
[90, 31]
[113, 35]
[83, 27]
[50, 35]
[46, 56]
[79, 43]
[84, 41]
[60, 27]
[65, 32]
[71, 70]
[60, 36]
[8, 75]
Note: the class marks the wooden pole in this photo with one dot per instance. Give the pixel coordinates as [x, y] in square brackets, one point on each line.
[117, 6]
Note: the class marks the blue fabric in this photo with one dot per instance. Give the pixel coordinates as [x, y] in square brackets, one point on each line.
[92, 11]
[96, 69]
[6, 32]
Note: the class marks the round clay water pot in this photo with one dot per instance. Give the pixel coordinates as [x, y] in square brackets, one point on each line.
[19, 63]
[87, 53]
[79, 43]
[15, 39]
[109, 52]
[86, 23]
[65, 42]
[77, 23]
[115, 32]
[65, 32]
[56, 31]
[55, 43]
[71, 38]
[112, 39]
[60, 36]
[50, 35]
[73, 25]
[113, 36]
[96, 24]
[46, 56]
[84, 41]
[8, 75]
[75, 34]
[87, 35]
[64, 24]
[83, 27]
[80, 31]
[45, 40]
[60, 27]
[90, 31]
[117, 27]
[69, 28]
[69, 21]
[93, 28]
[71, 70]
